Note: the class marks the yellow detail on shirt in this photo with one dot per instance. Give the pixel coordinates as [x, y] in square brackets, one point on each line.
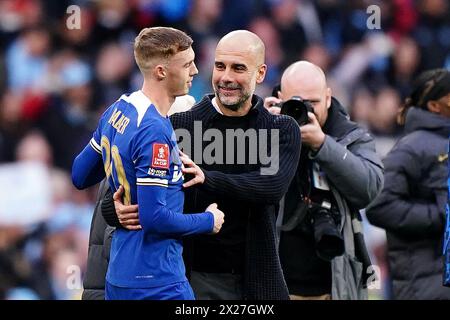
[119, 121]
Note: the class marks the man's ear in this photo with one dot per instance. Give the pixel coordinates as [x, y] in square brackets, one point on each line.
[329, 95]
[160, 72]
[261, 73]
[434, 106]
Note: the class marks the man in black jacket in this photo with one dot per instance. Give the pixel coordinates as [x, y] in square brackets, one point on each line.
[411, 206]
[98, 255]
[246, 183]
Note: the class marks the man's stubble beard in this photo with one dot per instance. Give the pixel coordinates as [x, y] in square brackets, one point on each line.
[233, 107]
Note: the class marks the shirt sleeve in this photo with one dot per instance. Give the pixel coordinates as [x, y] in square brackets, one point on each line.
[153, 156]
[396, 209]
[155, 216]
[364, 184]
[95, 142]
[87, 168]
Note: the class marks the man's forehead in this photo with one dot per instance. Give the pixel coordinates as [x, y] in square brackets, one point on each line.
[185, 55]
[304, 81]
[308, 91]
[245, 57]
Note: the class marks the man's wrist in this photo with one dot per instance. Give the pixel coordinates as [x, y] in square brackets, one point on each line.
[210, 220]
[319, 145]
[315, 151]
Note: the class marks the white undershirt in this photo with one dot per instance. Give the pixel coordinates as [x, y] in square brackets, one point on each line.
[216, 106]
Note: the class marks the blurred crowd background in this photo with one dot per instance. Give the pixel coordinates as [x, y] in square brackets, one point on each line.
[55, 82]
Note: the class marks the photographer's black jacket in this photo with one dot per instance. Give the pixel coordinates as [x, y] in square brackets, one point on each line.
[245, 187]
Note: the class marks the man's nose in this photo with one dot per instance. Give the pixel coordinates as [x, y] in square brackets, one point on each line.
[227, 76]
[194, 69]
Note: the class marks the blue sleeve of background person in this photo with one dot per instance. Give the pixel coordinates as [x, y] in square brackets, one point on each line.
[155, 217]
[87, 169]
[447, 229]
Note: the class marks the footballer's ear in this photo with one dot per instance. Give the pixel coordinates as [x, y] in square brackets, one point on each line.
[160, 72]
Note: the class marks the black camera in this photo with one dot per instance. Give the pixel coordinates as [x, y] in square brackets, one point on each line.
[319, 221]
[327, 236]
[298, 109]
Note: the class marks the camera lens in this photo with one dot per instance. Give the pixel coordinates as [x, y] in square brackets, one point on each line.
[328, 239]
[297, 109]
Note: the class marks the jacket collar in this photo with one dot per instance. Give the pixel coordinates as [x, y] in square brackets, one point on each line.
[205, 111]
[338, 122]
[419, 119]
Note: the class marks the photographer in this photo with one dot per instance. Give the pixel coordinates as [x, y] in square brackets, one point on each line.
[321, 246]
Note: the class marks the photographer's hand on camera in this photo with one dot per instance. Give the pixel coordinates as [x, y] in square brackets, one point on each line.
[312, 134]
[272, 104]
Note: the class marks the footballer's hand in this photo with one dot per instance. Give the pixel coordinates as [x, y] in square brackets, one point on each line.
[218, 217]
[191, 168]
[128, 215]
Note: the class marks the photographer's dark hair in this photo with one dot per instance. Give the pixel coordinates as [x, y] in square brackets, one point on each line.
[429, 85]
[275, 90]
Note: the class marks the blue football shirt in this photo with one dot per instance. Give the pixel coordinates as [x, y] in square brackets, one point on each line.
[135, 146]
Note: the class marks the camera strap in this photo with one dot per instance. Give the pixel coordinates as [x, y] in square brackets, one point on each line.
[319, 182]
[303, 180]
[296, 218]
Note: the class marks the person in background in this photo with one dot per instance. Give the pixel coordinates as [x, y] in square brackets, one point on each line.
[411, 206]
[447, 233]
[338, 174]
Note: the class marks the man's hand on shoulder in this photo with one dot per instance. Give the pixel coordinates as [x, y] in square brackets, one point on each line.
[189, 167]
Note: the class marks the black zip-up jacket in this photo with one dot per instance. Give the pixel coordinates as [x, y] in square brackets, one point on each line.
[263, 276]
[411, 207]
[99, 246]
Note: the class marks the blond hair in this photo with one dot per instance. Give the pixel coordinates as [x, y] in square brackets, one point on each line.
[158, 43]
